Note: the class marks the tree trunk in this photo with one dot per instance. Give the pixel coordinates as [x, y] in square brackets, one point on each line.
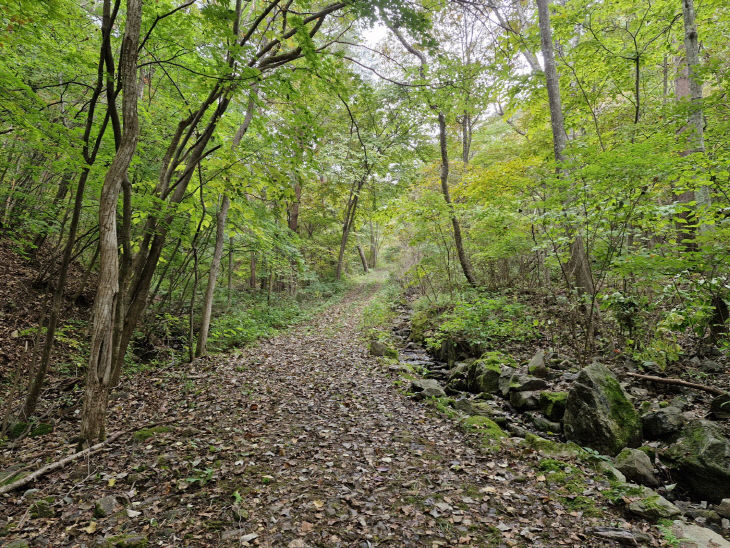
[230, 270]
[101, 360]
[463, 258]
[214, 265]
[363, 260]
[579, 263]
[292, 212]
[252, 274]
[553, 83]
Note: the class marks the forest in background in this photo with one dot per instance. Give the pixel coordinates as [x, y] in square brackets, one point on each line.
[186, 176]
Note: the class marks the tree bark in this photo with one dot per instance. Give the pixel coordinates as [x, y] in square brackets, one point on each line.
[363, 260]
[101, 360]
[463, 258]
[553, 83]
[220, 234]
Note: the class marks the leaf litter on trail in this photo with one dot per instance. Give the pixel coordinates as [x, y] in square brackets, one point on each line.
[301, 441]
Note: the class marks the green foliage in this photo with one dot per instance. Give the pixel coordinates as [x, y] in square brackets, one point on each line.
[485, 322]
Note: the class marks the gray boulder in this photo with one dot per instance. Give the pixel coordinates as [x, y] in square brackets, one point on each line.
[380, 349]
[662, 424]
[519, 382]
[537, 366]
[483, 374]
[700, 460]
[694, 536]
[525, 400]
[553, 404]
[636, 466]
[653, 507]
[599, 414]
[427, 387]
[723, 508]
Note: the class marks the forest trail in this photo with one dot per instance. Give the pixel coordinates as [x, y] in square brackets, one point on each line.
[301, 441]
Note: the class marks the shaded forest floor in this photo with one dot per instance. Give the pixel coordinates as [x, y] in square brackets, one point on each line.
[304, 440]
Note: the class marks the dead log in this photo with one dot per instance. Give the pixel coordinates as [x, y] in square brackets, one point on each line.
[58, 464]
[680, 382]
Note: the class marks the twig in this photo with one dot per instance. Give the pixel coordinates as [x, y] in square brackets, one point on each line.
[58, 464]
[664, 380]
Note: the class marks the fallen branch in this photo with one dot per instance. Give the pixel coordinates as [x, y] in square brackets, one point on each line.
[664, 380]
[58, 464]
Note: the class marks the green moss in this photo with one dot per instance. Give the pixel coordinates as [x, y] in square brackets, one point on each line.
[17, 429]
[41, 430]
[146, 433]
[582, 504]
[551, 465]
[621, 409]
[490, 430]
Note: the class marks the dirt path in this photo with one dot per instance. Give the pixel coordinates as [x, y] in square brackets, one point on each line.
[303, 441]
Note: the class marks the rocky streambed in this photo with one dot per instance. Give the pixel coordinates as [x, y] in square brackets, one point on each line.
[666, 449]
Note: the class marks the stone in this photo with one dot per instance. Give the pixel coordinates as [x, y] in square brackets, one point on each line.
[537, 366]
[695, 536]
[552, 404]
[623, 537]
[526, 383]
[720, 407]
[473, 407]
[31, 494]
[653, 507]
[636, 466]
[711, 366]
[610, 472]
[700, 461]
[545, 425]
[723, 508]
[662, 424]
[427, 387]
[483, 374]
[380, 349]
[105, 506]
[598, 413]
[524, 401]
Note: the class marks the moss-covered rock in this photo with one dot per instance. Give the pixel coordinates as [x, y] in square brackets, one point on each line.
[598, 412]
[552, 404]
[651, 506]
[701, 461]
[490, 431]
[483, 374]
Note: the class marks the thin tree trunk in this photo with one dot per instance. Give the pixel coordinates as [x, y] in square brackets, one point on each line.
[230, 269]
[220, 235]
[252, 274]
[101, 362]
[463, 258]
